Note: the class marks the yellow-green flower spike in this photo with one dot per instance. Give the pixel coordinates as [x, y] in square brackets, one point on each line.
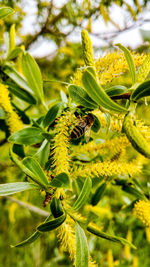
[142, 211]
[144, 70]
[87, 49]
[135, 137]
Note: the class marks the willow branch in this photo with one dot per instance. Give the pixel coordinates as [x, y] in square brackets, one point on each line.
[28, 206]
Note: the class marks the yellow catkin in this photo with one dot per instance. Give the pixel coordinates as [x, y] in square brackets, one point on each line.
[127, 250]
[110, 259]
[108, 168]
[135, 262]
[112, 147]
[142, 211]
[61, 157]
[66, 237]
[110, 66]
[12, 119]
[87, 49]
[147, 231]
[143, 70]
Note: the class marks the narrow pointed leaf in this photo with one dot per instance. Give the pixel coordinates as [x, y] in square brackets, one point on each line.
[5, 11]
[116, 90]
[34, 167]
[82, 198]
[27, 171]
[142, 90]
[98, 94]
[27, 136]
[51, 225]
[51, 114]
[80, 97]
[98, 194]
[30, 239]
[96, 125]
[16, 77]
[94, 230]
[82, 252]
[21, 93]
[43, 153]
[130, 62]
[12, 188]
[61, 180]
[14, 53]
[33, 75]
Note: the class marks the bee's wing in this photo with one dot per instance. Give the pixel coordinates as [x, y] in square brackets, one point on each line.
[87, 133]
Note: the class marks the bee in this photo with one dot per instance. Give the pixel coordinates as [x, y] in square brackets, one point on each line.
[84, 125]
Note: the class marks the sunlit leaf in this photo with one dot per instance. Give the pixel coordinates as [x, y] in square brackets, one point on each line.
[84, 194]
[130, 62]
[51, 225]
[82, 252]
[12, 188]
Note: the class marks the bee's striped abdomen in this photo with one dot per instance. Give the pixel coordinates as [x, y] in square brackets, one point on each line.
[77, 132]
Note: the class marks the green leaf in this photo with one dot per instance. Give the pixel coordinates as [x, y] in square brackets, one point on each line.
[133, 191]
[43, 153]
[80, 97]
[56, 207]
[130, 62]
[5, 11]
[30, 239]
[142, 90]
[61, 180]
[51, 114]
[16, 77]
[12, 43]
[98, 94]
[33, 75]
[82, 198]
[18, 150]
[27, 136]
[98, 194]
[14, 53]
[94, 230]
[21, 114]
[63, 97]
[36, 178]
[21, 93]
[51, 225]
[82, 252]
[116, 90]
[34, 167]
[96, 125]
[12, 188]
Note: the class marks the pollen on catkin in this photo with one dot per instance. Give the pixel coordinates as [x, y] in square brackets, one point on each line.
[108, 168]
[12, 119]
[66, 237]
[87, 49]
[60, 155]
[110, 66]
[142, 211]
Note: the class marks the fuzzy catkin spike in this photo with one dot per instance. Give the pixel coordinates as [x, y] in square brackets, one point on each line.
[144, 70]
[135, 137]
[61, 157]
[108, 168]
[66, 237]
[142, 211]
[87, 49]
[12, 119]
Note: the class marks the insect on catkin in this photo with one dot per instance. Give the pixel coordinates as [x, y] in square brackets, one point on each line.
[135, 137]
